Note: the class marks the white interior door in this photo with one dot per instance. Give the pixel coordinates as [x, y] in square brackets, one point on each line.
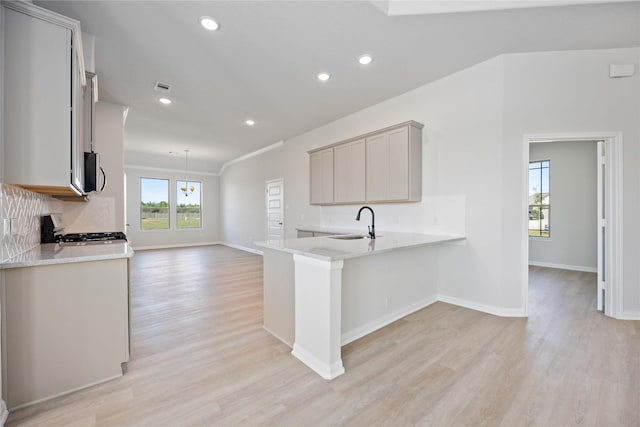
[275, 208]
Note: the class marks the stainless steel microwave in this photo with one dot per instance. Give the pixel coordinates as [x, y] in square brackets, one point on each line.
[93, 173]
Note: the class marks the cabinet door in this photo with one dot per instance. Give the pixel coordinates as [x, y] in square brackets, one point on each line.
[349, 172]
[388, 166]
[37, 101]
[321, 176]
[398, 164]
[377, 168]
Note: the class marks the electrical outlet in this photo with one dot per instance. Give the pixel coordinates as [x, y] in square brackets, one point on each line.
[14, 226]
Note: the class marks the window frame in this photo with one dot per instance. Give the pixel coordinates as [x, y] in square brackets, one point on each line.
[168, 180]
[546, 207]
[177, 187]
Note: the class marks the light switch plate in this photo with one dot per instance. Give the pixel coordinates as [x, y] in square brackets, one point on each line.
[6, 227]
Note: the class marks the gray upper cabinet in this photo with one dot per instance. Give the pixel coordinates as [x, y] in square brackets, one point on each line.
[349, 172]
[43, 93]
[321, 177]
[394, 165]
[384, 166]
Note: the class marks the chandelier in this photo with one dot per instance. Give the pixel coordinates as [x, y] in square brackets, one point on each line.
[186, 188]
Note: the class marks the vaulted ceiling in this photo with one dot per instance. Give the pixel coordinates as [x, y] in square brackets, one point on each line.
[263, 61]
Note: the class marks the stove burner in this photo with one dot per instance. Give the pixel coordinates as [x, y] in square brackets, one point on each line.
[93, 237]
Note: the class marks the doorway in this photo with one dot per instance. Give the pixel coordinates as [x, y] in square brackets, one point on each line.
[274, 203]
[608, 227]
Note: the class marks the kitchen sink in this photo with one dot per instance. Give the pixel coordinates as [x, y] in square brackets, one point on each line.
[348, 237]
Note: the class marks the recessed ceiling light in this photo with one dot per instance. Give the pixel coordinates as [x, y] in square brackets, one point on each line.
[250, 122]
[324, 77]
[365, 59]
[165, 101]
[209, 23]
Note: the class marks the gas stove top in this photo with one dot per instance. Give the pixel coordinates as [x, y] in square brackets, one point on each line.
[102, 237]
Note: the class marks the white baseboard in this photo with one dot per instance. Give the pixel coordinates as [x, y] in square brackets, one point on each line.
[630, 315]
[180, 245]
[490, 309]
[564, 266]
[328, 372]
[243, 248]
[366, 329]
[4, 412]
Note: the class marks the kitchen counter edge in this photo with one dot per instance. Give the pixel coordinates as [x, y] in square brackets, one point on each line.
[54, 253]
[328, 249]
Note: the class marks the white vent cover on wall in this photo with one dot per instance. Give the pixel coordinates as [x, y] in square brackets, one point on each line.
[163, 87]
[621, 70]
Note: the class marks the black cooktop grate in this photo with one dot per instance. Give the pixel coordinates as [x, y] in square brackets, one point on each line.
[93, 237]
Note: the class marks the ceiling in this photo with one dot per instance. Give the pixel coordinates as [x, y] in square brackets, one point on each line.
[262, 63]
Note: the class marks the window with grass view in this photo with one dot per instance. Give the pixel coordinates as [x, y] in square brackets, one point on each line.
[154, 204]
[539, 202]
[188, 203]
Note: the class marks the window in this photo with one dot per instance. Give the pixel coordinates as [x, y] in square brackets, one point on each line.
[539, 201]
[188, 204]
[154, 203]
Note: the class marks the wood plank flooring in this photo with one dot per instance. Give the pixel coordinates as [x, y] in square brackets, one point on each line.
[201, 357]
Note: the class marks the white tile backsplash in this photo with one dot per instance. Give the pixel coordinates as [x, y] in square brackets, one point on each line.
[25, 208]
[98, 214]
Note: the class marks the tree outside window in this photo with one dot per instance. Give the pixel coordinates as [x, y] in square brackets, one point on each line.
[154, 204]
[188, 204]
[539, 199]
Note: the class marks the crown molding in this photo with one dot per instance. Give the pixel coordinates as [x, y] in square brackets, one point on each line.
[178, 171]
[252, 154]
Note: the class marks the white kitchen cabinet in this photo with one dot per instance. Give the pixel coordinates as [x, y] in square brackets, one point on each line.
[394, 163]
[321, 176]
[43, 83]
[65, 327]
[349, 172]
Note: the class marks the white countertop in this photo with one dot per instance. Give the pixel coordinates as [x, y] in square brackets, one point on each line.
[54, 253]
[330, 249]
[331, 230]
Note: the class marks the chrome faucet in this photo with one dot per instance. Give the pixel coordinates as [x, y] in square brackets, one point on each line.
[372, 228]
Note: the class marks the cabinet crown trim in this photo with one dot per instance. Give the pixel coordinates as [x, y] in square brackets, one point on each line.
[368, 134]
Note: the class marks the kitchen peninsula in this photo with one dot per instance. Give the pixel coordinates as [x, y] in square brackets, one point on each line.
[323, 292]
[65, 319]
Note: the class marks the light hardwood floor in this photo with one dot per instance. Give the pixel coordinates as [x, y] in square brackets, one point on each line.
[201, 357]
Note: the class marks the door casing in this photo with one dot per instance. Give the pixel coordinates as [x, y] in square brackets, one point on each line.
[612, 189]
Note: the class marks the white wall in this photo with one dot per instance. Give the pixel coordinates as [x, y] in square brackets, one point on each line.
[573, 197]
[564, 92]
[104, 211]
[472, 166]
[173, 237]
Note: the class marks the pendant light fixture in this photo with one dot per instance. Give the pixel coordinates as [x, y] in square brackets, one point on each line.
[186, 188]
